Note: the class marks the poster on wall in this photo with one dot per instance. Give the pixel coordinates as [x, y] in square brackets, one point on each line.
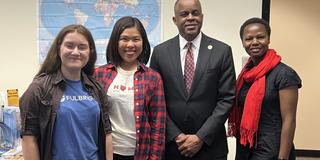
[99, 16]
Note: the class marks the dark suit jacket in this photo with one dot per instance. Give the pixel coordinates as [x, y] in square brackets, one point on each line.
[205, 109]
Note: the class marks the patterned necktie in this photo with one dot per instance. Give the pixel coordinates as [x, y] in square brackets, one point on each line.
[189, 67]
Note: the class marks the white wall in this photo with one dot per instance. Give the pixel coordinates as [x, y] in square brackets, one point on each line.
[296, 36]
[18, 35]
[19, 59]
[222, 20]
[18, 40]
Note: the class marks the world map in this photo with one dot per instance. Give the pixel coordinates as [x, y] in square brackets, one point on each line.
[99, 16]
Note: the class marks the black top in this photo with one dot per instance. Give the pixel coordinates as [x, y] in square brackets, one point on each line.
[270, 123]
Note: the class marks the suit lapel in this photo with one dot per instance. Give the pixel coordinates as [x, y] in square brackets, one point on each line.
[174, 50]
[203, 58]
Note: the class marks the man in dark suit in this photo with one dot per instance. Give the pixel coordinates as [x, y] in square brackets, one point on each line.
[196, 110]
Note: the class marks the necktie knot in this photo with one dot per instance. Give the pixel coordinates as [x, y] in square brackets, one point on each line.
[189, 45]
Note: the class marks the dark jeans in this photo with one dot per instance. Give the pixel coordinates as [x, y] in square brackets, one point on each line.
[121, 157]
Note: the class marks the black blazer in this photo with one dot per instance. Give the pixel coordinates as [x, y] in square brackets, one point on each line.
[204, 111]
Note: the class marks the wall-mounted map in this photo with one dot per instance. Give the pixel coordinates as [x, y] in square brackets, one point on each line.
[98, 16]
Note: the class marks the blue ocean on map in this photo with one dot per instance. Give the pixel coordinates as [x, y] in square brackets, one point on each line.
[98, 16]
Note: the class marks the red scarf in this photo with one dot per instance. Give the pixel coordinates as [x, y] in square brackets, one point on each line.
[248, 124]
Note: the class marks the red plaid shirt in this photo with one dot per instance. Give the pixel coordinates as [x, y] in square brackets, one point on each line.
[149, 109]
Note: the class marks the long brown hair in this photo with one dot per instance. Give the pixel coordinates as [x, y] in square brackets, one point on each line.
[52, 63]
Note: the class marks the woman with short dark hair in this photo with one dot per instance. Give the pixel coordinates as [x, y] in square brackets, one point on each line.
[264, 116]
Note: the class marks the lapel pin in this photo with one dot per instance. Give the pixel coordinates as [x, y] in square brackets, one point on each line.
[210, 46]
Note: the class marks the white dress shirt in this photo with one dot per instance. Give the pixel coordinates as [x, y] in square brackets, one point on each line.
[184, 48]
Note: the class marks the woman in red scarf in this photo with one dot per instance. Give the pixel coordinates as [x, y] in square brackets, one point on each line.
[264, 116]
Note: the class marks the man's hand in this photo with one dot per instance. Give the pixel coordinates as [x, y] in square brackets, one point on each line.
[191, 145]
[180, 139]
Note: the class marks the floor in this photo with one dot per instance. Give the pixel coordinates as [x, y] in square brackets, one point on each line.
[307, 158]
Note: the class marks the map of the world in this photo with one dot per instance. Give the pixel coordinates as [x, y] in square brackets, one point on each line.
[99, 16]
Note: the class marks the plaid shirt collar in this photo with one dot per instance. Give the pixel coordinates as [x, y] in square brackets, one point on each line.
[141, 67]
